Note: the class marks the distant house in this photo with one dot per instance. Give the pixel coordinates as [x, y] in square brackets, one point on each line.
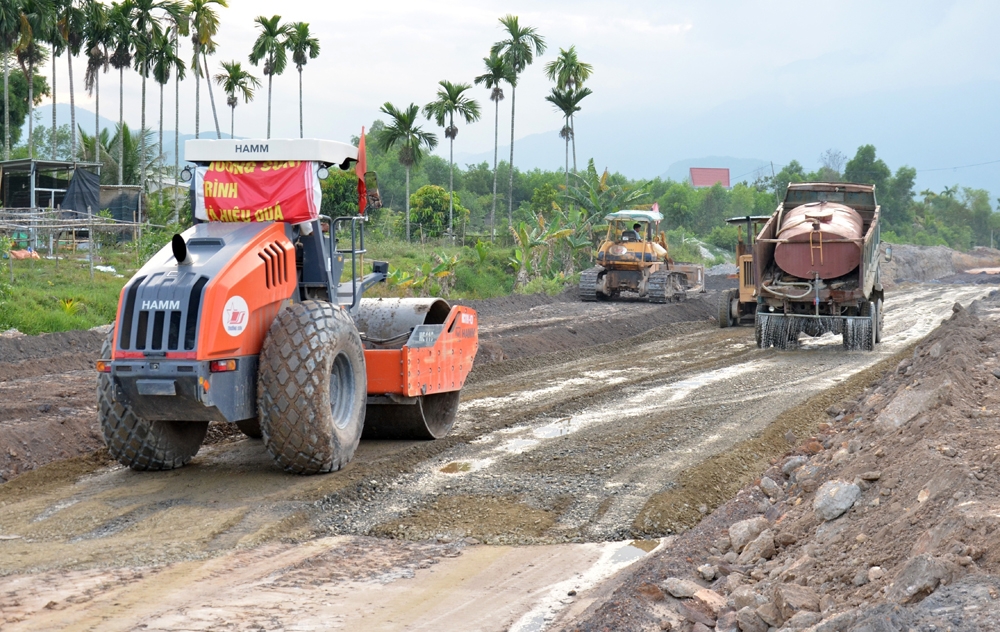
[708, 176]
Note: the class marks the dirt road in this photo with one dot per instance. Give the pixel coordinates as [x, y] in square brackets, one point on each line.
[594, 454]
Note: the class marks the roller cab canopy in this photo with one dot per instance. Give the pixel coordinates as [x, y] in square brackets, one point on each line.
[256, 180]
[328, 152]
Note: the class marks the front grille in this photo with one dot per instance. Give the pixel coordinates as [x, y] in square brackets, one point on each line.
[748, 272]
[159, 326]
[125, 335]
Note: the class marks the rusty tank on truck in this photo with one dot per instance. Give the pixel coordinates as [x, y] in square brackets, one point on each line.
[817, 265]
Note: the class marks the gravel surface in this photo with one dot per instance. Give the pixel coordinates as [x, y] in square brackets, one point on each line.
[594, 432]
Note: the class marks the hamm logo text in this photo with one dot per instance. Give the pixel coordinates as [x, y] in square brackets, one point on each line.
[161, 305]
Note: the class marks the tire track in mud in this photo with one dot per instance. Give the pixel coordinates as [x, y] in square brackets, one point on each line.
[581, 445]
[591, 441]
[559, 447]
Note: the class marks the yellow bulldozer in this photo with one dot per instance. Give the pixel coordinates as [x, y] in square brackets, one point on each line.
[634, 257]
[740, 304]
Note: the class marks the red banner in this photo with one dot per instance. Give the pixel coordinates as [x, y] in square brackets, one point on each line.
[258, 192]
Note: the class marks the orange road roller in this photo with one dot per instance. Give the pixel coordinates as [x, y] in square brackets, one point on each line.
[255, 316]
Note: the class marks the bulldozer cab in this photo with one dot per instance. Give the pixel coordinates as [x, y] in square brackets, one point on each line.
[633, 241]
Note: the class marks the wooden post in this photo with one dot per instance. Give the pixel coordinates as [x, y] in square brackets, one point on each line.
[90, 246]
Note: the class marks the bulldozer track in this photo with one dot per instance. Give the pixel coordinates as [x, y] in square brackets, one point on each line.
[665, 286]
[588, 283]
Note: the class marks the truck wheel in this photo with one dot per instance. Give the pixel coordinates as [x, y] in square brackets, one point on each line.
[139, 443]
[725, 311]
[311, 390]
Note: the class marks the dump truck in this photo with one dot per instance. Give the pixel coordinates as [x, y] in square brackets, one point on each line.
[816, 267]
[254, 316]
[634, 257]
[740, 304]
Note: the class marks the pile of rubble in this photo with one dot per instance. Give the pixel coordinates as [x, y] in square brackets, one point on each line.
[887, 520]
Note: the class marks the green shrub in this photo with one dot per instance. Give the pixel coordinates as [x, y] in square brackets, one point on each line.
[541, 285]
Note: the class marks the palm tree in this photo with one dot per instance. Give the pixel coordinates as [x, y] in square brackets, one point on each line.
[451, 101]
[97, 148]
[181, 27]
[99, 35]
[234, 80]
[204, 26]
[148, 29]
[10, 33]
[303, 47]
[104, 149]
[55, 39]
[123, 44]
[270, 46]
[165, 58]
[569, 73]
[497, 72]
[404, 132]
[72, 24]
[518, 50]
[598, 196]
[36, 20]
[567, 101]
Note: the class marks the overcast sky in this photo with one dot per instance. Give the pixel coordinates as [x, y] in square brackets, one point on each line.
[653, 62]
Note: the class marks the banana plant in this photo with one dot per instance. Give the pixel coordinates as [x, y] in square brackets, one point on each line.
[482, 251]
[399, 278]
[550, 234]
[526, 240]
[444, 272]
[420, 281]
[519, 264]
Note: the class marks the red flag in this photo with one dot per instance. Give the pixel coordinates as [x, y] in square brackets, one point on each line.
[359, 169]
[656, 207]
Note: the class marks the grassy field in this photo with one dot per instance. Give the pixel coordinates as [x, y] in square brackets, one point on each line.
[49, 296]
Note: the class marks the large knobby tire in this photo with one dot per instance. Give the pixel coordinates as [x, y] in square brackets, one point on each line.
[312, 388]
[726, 308]
[139, 443]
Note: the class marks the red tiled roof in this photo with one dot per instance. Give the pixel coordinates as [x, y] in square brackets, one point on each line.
[706, 177]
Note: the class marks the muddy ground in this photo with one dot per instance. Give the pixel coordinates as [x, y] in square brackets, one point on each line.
[917, 547]
[594, 433]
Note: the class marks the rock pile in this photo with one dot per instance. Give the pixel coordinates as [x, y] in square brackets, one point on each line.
[894, 525]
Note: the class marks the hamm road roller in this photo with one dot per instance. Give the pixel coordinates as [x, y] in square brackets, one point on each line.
[255, 316]
[816, 267]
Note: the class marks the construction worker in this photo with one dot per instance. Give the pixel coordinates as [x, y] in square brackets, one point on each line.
[632, 235]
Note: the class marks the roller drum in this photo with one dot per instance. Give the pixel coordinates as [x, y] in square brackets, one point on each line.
[386, 323]
[391, 318]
